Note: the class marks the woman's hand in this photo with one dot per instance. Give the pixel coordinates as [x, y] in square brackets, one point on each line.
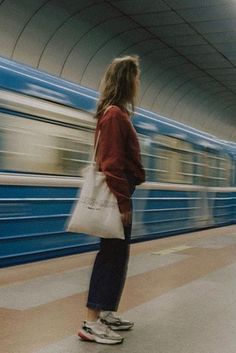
[126, 218]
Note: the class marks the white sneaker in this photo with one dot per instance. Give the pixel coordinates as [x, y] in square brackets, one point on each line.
[96, 331]
[115, 323]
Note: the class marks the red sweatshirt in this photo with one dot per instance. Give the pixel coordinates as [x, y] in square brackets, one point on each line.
[118, 155]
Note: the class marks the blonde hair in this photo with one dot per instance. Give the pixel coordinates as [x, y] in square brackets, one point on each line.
[119, 86]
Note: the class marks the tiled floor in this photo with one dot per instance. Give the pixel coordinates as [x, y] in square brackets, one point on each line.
[180, 292]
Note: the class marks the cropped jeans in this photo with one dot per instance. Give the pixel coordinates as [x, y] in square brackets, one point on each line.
[109, 273]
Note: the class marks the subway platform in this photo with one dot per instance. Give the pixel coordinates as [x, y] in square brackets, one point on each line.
[180, 292]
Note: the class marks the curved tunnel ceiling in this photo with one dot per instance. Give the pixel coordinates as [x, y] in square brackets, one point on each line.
[187, 50]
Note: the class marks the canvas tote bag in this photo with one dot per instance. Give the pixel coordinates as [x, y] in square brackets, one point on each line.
[96, 212]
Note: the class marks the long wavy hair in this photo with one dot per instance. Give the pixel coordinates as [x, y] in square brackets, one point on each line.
[119, 84]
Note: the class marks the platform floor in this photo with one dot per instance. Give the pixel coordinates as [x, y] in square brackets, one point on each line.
[180, 291]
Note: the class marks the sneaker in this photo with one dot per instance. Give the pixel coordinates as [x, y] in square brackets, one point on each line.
[96, 331]
[115, 323]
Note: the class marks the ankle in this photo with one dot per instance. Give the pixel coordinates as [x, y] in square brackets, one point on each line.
[92, 315]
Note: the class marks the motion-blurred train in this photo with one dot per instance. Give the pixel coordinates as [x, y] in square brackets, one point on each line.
[46, 139]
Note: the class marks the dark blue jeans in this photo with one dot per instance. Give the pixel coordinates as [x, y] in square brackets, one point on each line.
[109, 273]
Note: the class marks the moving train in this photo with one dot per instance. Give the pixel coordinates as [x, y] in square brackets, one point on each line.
[46, 139]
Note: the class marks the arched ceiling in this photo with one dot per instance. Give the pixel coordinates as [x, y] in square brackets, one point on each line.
[187, 50]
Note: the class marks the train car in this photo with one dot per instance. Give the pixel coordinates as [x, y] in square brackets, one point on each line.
[46, 139]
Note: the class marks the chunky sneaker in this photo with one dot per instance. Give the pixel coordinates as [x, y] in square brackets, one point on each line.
[96, 331]
[115, 323]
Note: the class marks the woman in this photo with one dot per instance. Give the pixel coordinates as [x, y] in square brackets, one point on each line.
[119, 159]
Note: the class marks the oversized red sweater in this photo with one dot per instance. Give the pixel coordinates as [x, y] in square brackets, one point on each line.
[118, 155]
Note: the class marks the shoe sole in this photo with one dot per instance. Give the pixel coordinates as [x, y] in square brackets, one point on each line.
[120, 328]
[123, 327]
[85, 336]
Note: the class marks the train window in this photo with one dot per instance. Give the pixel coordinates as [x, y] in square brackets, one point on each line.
[145, 147]
[217, 169]
[210, 169]
[1, 146]
[74, 152]
[155, 163]
[34, 146]
[161, 171]
[186, 168]
[198, 168]
[233, 168]
[173, 160]
[149, 158]
[225, 171]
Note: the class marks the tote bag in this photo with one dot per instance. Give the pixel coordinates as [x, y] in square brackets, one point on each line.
[96, 212]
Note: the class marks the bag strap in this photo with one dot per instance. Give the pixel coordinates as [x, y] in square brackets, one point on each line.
[99, 132]
[96, 147]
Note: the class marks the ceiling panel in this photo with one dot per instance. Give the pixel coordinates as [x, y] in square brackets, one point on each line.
[226, 47]
[209, 61]
[221, 37]
[228, 78]
[215, 26]
[209, 13]
[172, 30]
[222, 71]
[185, 40]
[141, 6]
[154, 19]
[196, 49]
[182, 4]
[217, 58]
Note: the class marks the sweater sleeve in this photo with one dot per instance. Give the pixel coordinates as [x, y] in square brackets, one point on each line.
[111, 154]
